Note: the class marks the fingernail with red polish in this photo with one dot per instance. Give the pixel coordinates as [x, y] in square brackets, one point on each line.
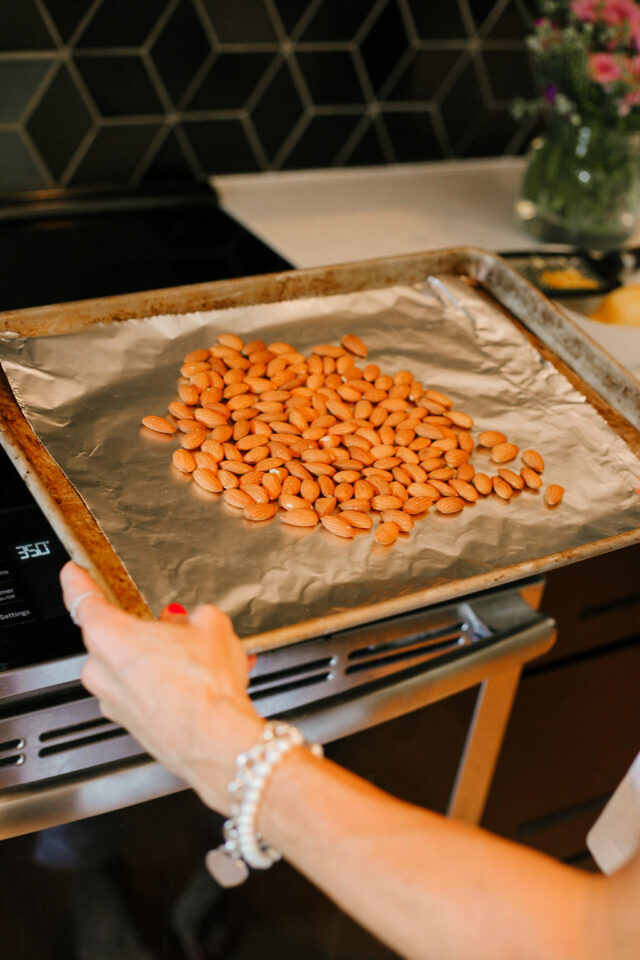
[175, 608]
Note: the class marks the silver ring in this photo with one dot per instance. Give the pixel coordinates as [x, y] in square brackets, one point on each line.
[73, 609]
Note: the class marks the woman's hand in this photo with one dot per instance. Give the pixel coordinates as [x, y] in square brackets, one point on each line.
[179, 686]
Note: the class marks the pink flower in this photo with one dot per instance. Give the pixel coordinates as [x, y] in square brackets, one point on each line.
[631, 99]
[618, 12]
[585, 9]
[604, 68]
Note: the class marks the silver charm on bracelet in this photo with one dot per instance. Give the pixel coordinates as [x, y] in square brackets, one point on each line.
[243, 846]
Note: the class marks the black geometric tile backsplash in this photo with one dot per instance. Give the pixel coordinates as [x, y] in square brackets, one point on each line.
[118, 92]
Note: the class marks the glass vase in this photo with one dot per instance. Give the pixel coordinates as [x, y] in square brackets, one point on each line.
[581, 186]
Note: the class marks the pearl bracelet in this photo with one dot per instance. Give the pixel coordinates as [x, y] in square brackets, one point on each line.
[243, 847]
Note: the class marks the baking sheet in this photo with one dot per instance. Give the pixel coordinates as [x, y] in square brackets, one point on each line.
[84, 394]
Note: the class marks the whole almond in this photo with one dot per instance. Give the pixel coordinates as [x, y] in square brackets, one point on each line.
[300, 518]
[309, 490]
[186, 425]
[193, 439]
[259, 511]
[532, 479]
[291, 486]
[553, 494]
[184, 461]
[237, 498]
[250, 442]
[228, 479]
[387, 533]
[323, 506]
[513, 479]
[416, 505]
[503, 452]
[466, 472]
[254, 477]
[230, 340]
[256, 455]
[423, 490]
[502, 488]
[203, 459]
[456, 458]
[343, 491]
[443, 488]
[207, 479]
[386, 502]
[449, 505]
[188, 393]
[158, 424]
[296, 469]
[360, 506]
[460, 419]
[337, 526]
[209, 418]
[214, 448]
[328, 350]
[440, 398]
[180, 410]
[491, 438]
[257, 492]
[362, 521]
[464, 489]
[442, 473]
[533, 459]
[482, 483]
[289, 501]
[404, 521]
[354, 345]
[363, 490]
[196, 356]
[273, 485]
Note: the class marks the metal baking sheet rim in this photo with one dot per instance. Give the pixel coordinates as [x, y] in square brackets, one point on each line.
[480, 265]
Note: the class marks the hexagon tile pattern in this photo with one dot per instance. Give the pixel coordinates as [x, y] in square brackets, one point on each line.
[113, 92]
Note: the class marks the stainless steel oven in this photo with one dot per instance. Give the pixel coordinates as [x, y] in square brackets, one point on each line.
[63, 765]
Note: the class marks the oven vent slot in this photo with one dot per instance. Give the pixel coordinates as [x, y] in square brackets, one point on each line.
[424, 637]
[58, 732]
[13, 761]
[299, 684]
[432, 649]
[428, 644]
[11, 745]
[82, 741]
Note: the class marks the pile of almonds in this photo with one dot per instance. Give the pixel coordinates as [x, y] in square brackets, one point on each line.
[329, 441]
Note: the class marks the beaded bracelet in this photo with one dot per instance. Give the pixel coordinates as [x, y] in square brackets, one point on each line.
[243, 847]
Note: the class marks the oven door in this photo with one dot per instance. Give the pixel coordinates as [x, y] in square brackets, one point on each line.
[61, 761]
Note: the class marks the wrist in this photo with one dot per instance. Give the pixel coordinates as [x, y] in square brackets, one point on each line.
[230, 729]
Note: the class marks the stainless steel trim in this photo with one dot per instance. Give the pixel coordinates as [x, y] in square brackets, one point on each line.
[42, 676]
[443, 679]
[42, 805]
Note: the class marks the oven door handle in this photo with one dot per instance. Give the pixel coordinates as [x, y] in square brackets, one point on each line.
[519, 633]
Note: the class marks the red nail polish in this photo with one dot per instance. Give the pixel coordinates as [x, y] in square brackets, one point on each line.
[175, 608]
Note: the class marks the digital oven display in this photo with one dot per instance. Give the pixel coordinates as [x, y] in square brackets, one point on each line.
[34, 625]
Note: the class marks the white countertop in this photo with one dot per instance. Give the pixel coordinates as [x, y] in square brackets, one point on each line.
[321, 217]
[332, 216]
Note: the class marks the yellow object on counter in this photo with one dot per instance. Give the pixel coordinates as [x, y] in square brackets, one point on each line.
[621, 306]
[568, 278]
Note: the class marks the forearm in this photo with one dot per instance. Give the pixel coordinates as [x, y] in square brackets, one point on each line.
[427, 886]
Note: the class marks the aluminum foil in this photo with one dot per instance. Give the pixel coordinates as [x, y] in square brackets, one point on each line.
[84, 395]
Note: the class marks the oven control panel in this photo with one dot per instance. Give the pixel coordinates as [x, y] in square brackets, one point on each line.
[34, 625]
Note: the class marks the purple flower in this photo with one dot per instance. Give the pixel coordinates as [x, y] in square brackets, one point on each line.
[550, 93]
